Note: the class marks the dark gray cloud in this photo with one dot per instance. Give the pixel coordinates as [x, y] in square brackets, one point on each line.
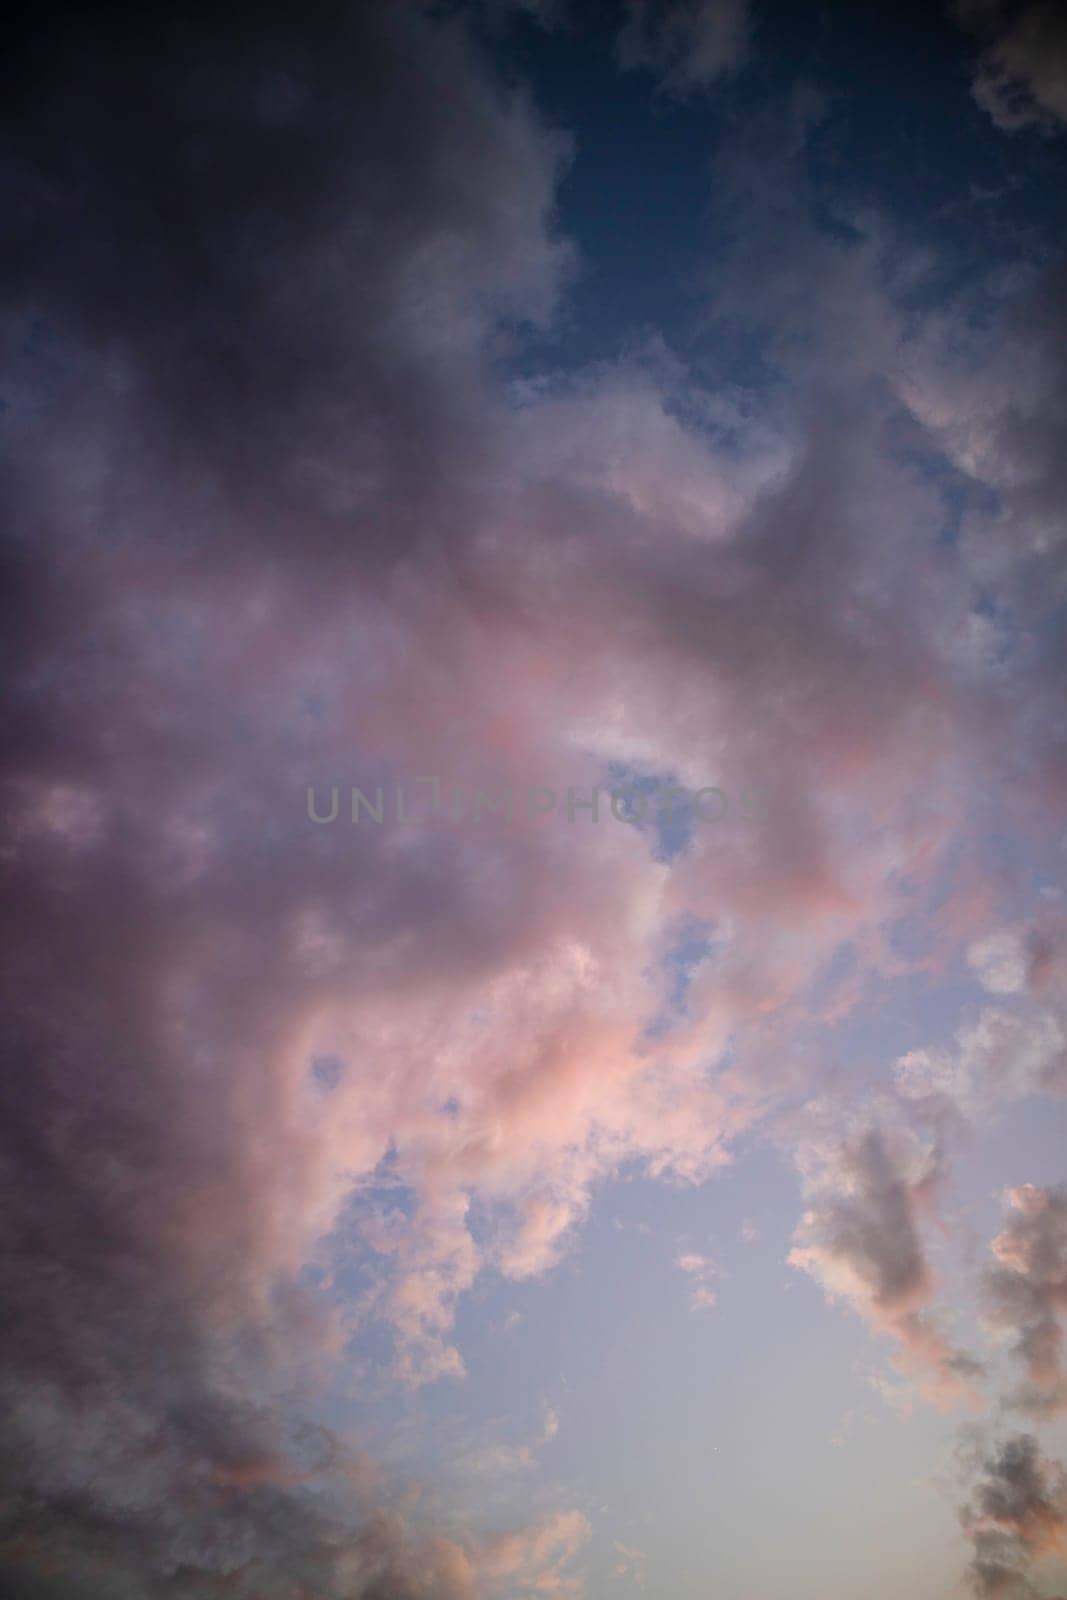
[1027, 1293]
[862, 1238]
[1017, 1513]
[269, 249]
[251, 267]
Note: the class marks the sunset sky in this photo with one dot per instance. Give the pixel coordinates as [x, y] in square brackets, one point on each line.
[420, 1179]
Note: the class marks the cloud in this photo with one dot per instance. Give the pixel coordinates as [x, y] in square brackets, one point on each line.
[861, 1238]
[274, 519]
[1021, 79]
[701, 1271]
[388, 1564]
[688, 44]
[631, 1563]
[1001, 1056]
[1001, 961]
[1026, 1293]
[1017, 1513]
[358, 202]
[1004, 1054]
[993, 401]
[532, 1560]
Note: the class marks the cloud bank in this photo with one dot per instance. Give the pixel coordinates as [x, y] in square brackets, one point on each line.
[279, 513]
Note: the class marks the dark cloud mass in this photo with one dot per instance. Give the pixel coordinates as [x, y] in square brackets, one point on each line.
[250, 262]
[1027, 1293]
[1017, 1514]
[863, 1239]
[266, 247]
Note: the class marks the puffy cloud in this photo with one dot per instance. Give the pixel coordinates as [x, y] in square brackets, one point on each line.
[532, 1559]
[1001, 1056]
[1004, 1054]
[1001, 961]
[993, 400]
[1022, 71]
[1017, 1513]
[861, 1238]
[701, 1271]
[271, 325]
[1026, 1293]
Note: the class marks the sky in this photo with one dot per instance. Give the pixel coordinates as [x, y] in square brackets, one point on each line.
[533, 801]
